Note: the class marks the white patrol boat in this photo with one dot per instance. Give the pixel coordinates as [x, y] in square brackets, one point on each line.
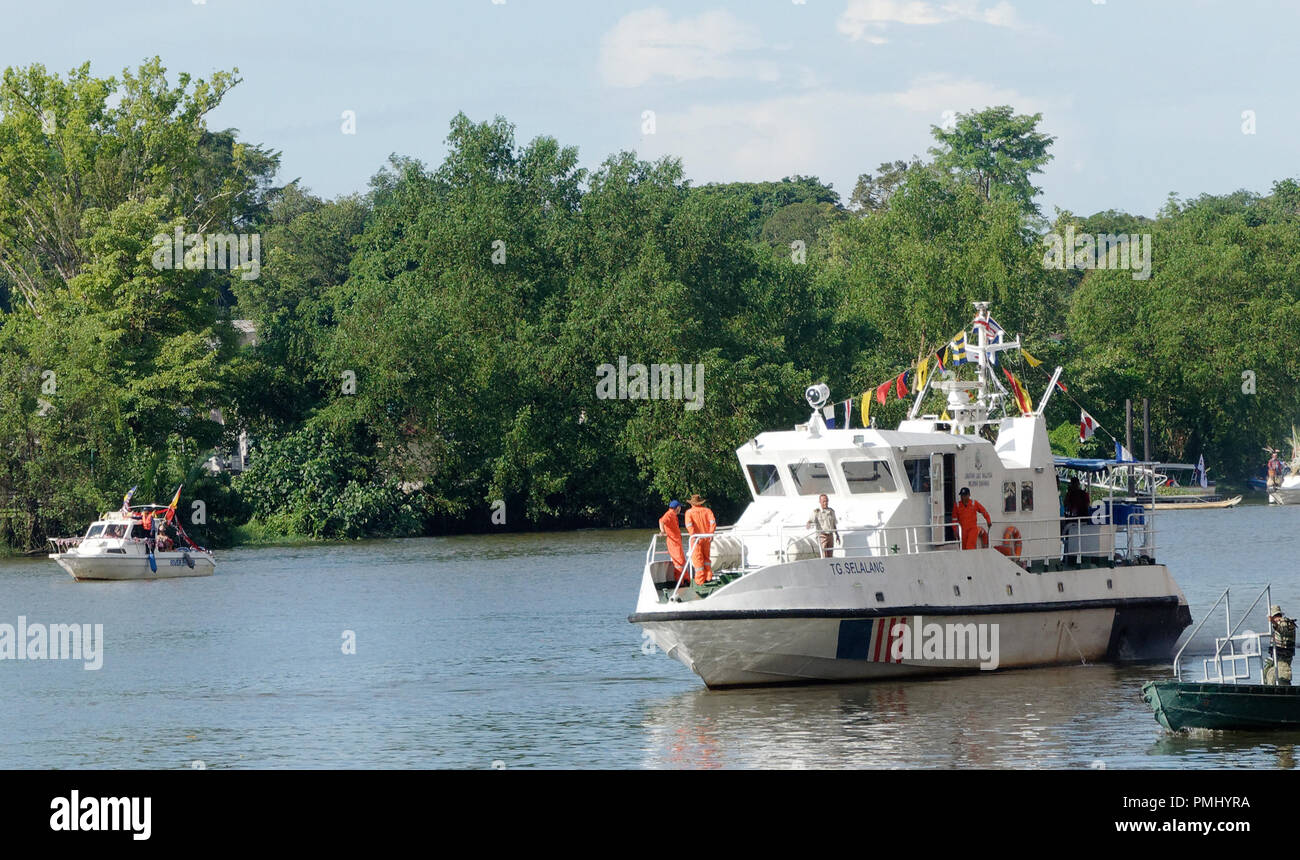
[899, 596]
[114, 547]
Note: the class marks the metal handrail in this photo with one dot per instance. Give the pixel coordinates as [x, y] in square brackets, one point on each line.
[1179, 656]
[1232, 636]
[688, 570]
[1232, 657]
[909, 540]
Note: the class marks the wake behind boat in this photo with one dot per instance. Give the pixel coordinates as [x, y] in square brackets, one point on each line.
[132, 543]
[1053, 590]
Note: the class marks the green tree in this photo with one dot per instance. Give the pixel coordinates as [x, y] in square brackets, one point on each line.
[68, 145]
[995, 149]
[872, 193]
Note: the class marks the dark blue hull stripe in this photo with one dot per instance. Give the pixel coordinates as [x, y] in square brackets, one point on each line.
[1170, 601]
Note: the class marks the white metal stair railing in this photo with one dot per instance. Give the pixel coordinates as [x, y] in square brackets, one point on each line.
[1232, 658]
[1238, 664]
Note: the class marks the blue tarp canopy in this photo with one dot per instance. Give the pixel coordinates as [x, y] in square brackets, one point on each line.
[1083, 464]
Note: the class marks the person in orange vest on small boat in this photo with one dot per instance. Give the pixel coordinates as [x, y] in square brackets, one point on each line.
[967, 512]
[147, 526]
[700, 521]
[672, 532]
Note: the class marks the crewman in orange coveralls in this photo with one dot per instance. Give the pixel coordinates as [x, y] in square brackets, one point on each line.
[967, 512]
[672, 531]
[700, 521]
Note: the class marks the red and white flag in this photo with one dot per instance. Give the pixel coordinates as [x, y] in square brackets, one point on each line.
[848, 412]
[1087, 425]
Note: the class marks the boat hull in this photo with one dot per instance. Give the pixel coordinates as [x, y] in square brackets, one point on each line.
[1168, 505]
[758, 636]
[801, 649]
[134, 567]
[1287, 493]
[1181, 705]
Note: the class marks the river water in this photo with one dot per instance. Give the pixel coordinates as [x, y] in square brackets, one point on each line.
[515, 651]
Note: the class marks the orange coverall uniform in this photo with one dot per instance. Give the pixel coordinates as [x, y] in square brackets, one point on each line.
[967, 515]
[674, 540]
[700, 520]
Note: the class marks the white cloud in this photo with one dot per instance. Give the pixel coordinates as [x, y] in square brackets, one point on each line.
[650, 43]
[868, 20]
[832, 134]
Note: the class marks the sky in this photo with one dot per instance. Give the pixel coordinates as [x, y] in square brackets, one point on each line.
[1145, 97]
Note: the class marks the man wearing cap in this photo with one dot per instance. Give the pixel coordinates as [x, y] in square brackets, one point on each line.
[672, 532]
[967, 512]
[1283, 647]
[823, 520]
[700, 521]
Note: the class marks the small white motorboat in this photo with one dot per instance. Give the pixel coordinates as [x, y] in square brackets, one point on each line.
[115, 547]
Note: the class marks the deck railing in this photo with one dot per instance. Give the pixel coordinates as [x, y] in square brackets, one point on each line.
[1072, 539]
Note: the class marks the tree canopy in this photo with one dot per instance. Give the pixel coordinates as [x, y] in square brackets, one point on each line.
[435, 352]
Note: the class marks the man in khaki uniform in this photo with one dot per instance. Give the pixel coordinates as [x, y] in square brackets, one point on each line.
[823, 520]
[1283, 645]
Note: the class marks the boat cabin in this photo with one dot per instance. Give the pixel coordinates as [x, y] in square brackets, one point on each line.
[898, 488]
[116, 531]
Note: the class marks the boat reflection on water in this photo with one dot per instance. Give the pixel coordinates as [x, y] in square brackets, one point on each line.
[1023, 719]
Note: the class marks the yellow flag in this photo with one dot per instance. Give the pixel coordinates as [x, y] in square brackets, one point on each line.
[1033, 362]
[866, 409]
[944, 416]
[921, 369]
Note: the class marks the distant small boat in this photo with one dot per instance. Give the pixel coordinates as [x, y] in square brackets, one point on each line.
[1287, 490]
[1219, 701]
[1286, 493]
[1176, 503]
[115, 548]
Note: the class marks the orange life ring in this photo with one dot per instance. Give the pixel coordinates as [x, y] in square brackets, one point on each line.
[1010, 542]
[982, 539]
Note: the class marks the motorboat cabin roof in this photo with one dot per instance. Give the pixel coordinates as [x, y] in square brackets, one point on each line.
[811, 460]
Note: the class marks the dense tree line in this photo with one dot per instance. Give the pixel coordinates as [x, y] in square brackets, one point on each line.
[427, 353]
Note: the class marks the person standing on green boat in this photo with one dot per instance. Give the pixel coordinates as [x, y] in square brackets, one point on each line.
[1283, 647]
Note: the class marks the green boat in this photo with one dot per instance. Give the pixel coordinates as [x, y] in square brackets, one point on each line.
[1226, 697]
[1181, 705]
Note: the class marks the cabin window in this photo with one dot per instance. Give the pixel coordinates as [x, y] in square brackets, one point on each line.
[868, 476]
[918, 475]
[115, 530]
[1008, 497]
[766, 479]
[811, 479]
[96, 530]
[1026, 495]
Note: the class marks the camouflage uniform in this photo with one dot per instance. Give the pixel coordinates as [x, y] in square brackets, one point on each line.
[1283, 645]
